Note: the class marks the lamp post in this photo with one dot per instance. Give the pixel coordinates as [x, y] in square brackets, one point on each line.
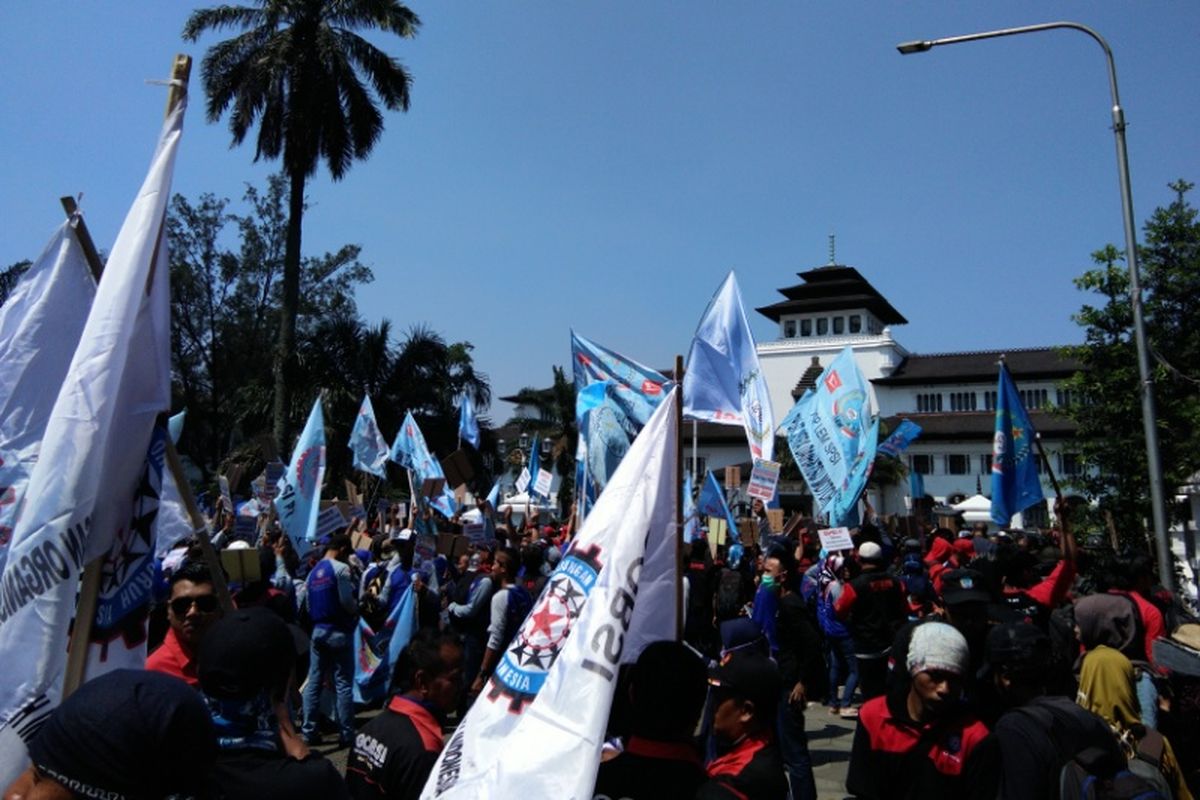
[1149, 417]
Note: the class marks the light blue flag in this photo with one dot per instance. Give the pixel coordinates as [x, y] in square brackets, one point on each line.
[833, 432]
[175, 426]
[298, 499]
[493, 497]
[724, 382]
[367, 444]
[410, 451]
[615, 397]
[901, 438]
[468, 423]
[712, 504]
[535, 465]
[1015, 482]
[691, 519]
[376, 652]
[916, 484]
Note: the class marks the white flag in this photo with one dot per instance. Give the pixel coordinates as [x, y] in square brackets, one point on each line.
[724, 382]
[92, 457]
[40, 324]
[537, 728]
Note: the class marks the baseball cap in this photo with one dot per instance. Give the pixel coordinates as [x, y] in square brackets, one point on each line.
[244, 653]
[750, 675]
[870, 551]
[1017, 645]
[964, 586]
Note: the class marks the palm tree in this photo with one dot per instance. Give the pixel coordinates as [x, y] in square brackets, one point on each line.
[300, 72]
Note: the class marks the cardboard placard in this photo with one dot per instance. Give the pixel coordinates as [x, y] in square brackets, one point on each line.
[432, 487]
[733, 476]
[242, 566]
[544, 479]
[748, 529]
[833, 539]
[457, 468]
[763, 479]
[775, 518]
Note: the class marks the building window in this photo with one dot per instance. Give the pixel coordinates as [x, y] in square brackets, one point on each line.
[921, 464]
[957, 464]
[1034, 399]
[839, 325]
[822, 326]
[789, 329]
[929, 403]
[962, 401]
[985, 463]
[855, 323]
[1066, 397]
[989, 401]
[1068, 464]
[806, 327]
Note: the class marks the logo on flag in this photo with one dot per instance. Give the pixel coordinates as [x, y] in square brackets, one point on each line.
[832, 382]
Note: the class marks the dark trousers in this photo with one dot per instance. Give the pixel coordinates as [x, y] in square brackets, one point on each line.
[793, 747]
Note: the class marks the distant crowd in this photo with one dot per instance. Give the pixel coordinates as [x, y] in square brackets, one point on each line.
[973, 663]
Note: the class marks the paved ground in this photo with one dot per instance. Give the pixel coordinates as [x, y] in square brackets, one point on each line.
[829, 740]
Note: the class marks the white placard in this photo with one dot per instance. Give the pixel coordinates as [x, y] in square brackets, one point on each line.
[763, 479]
[836, 539]
[544, 479]
[523, 481]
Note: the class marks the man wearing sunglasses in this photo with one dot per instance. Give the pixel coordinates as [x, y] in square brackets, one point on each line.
[191, 611]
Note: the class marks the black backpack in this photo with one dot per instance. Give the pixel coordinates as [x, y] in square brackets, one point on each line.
[729, 595]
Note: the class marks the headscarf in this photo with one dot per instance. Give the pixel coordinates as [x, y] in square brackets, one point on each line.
[1107, 687]
[1105, 619]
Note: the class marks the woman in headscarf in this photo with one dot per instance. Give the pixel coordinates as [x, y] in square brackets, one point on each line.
[1107, 682]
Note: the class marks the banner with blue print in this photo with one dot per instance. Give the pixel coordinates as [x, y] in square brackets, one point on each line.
[367, 444]
[899, 440]
[833, 432]
[299, 489]
[1015, 481]
[410, 451]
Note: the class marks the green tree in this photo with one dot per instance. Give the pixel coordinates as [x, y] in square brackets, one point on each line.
[1105, 401]
[301, 73]
[555, 421]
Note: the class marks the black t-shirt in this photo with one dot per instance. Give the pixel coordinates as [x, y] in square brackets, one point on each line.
[752, 769]
[395, 752]
[257, 774]
[650, 770]
[801, 657]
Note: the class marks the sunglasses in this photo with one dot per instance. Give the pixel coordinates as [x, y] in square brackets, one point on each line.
[205, 604]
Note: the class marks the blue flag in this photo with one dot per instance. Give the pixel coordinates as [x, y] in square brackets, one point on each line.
[916, 485]
[1015, 482]
[299, 495]
[833, 431]
[468, 423]
[535, 466]
[615, 397]
[724, 382]
[493, 497]
[691, 519]
[367, 443]
[376, 652]
[900, 439]
[410, 451]
[175, 426]
[712, 504]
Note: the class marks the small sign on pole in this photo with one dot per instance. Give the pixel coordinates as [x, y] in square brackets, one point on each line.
[763, 479]
[329, 520]
[432, 487]
[544, 479]
[833, 539]
[275, 470]
[523, 480]
[733, 476]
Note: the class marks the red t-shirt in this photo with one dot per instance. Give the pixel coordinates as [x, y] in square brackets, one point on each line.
[174, 658]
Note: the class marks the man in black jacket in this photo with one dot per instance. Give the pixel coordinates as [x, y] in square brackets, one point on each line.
[874, 606]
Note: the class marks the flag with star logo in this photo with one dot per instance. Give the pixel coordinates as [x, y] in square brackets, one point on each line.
[1015, 481]
[537, 727]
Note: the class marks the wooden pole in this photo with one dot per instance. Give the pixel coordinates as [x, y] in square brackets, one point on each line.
[679, 498]
[89, 588]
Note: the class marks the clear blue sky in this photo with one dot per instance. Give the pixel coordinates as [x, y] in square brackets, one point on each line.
[603, 164]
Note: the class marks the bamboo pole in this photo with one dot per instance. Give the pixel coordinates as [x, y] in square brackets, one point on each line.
[679, 497]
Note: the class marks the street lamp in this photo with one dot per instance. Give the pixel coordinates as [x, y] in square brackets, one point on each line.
[1149, 417]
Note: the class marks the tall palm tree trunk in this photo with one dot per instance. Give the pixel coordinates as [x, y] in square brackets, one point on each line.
[285, 355]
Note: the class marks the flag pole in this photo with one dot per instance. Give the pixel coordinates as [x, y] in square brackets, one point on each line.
[679, 497]
[89, 588]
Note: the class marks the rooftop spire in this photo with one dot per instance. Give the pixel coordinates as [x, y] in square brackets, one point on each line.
[832, 249]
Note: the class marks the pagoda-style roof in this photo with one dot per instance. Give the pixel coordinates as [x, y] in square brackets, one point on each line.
[1037, 363]
[833, 288]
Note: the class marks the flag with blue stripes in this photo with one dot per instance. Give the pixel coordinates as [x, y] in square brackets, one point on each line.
[1015, 481]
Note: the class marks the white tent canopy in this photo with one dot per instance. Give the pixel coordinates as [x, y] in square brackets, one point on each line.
[975, 509]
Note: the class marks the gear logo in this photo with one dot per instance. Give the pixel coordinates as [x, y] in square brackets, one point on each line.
[522, 671]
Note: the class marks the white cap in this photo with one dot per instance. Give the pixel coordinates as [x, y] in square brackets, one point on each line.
[870, 551]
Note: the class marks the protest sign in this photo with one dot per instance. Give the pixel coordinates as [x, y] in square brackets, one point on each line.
[245, 528]
[242, 566]
[226, 498]
[329, 520]
[833, 539]
[763, 479]
[425, 549]
[733, 476]
[523, 480]
[275, 470]
[479, 533]
[544, 479]
[432, 487]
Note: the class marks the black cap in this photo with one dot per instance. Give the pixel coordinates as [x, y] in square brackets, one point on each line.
[1017, 645]
[964, 586]
[750, 675]
[244, 653]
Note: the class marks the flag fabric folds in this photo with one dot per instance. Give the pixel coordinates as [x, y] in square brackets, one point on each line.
[367, 444]
[535, 466]
[1015, 482]
[376, 652]
[724, 382]
[712, 504]
[899, 440]
[91, 458]
[537, 728]
[691, 518]
[615, 397]
[468, 423]
[833, 432]
[40, 324]
[298, 498]
[410, 451]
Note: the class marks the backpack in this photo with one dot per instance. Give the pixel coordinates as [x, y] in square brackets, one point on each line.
[729, 595]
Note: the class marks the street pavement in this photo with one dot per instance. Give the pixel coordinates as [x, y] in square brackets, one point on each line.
[829, 741]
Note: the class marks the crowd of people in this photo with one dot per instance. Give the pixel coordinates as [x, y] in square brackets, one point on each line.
[970, 663]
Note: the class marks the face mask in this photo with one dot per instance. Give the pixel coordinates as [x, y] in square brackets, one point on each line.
[768, 582]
